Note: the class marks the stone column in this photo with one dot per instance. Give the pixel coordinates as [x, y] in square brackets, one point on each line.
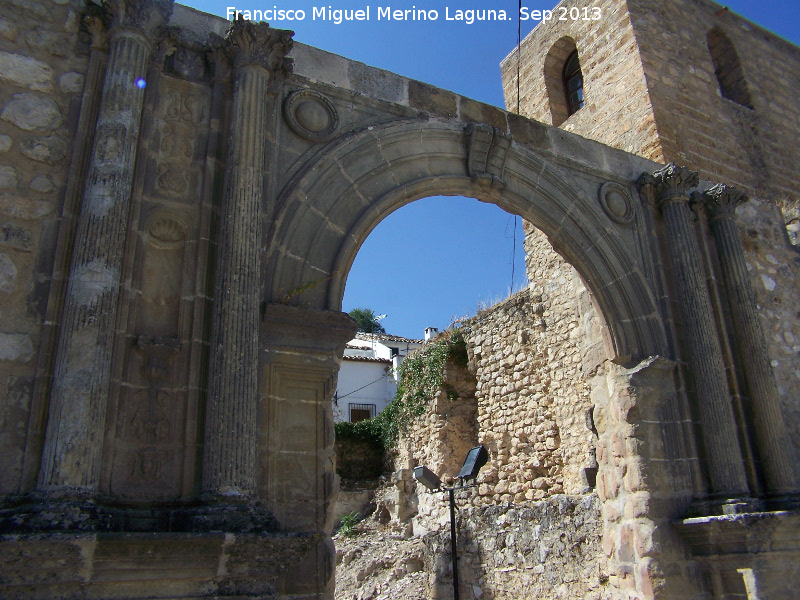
[76, 420]
[229, 453]
[725, 465]
[721, 202]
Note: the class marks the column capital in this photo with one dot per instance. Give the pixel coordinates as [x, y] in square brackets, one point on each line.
[144, 16]
[670, 184]
[250, 43]
[721, 200]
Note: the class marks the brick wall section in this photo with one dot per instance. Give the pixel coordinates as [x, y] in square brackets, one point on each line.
[42, 71]
[755, 148]
[618, 110]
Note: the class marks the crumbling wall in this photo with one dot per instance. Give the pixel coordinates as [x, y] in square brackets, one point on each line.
[533, 526]
[545, 549]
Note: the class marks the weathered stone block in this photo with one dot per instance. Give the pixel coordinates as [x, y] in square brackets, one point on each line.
[42, 183]
[24, 208]
[32, 112]
[8, 177]
[16, 236]
[16, 346]
[8, 30]
[71, 82]
[8, 274]
[24, 71]
[432, 99]
[44, 149]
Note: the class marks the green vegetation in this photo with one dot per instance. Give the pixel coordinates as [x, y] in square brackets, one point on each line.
[421, 375]
[348, 523]
[367, 320]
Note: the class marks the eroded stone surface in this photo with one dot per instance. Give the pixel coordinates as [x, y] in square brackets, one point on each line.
[45, 149]
[15, 346]
[24, 208]
[32, 112]
[24, 71]
[8, 177]
[8, 274]
[71, 82]
[42, 183]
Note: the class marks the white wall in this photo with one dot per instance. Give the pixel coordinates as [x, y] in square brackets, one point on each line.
[355, 374]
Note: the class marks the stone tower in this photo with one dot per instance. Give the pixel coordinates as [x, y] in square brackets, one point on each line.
[679, 81]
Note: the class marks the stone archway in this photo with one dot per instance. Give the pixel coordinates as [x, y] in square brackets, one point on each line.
[259, 323]
[328, 210]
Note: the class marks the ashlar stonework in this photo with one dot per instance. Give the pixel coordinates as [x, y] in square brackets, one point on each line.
[172, 264]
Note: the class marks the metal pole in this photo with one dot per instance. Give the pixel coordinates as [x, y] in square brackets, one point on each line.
[453, 542]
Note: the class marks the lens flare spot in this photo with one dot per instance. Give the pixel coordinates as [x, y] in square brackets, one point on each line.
[140, 83]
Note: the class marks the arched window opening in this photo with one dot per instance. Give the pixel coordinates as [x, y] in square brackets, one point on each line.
[562, 60]
[573, 83]
[728, 69]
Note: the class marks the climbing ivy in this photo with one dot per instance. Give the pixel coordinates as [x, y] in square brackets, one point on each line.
[420, 376]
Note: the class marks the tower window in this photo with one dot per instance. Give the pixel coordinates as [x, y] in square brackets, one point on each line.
[573, 83]
[563, 80]
[728, 69]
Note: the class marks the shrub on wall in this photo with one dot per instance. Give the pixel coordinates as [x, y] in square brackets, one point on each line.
[421, 376]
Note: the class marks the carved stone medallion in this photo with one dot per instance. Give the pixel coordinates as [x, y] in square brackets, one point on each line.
[311, 116]
[616, 202]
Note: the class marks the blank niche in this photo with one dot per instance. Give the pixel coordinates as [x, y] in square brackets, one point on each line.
[728, 69]
[161, 276]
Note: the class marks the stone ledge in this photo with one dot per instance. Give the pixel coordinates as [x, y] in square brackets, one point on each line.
[150, 565]
[742, 533]
[29, 516]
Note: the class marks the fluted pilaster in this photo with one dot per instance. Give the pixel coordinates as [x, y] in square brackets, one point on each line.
[721, 202]
[725, 465]
[229, 457]
[76, 420]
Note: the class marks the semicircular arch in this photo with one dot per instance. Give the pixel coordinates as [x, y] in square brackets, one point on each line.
[328, 210]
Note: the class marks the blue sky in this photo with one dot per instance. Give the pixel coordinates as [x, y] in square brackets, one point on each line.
[438, 258]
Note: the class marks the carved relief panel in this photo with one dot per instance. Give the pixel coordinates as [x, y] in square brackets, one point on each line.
[179, 126]
[154, 429]
[151, 417]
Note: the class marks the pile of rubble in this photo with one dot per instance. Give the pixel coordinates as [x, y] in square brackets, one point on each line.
[378, 561]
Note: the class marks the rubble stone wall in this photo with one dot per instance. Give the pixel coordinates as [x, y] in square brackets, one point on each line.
[534, 523]
[773, 262]
[43, 66]
[531, 357]
[546, 549]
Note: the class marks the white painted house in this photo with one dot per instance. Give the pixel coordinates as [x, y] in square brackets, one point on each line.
[367, 376]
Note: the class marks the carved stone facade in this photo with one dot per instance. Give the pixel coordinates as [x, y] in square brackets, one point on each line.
[183, 199]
